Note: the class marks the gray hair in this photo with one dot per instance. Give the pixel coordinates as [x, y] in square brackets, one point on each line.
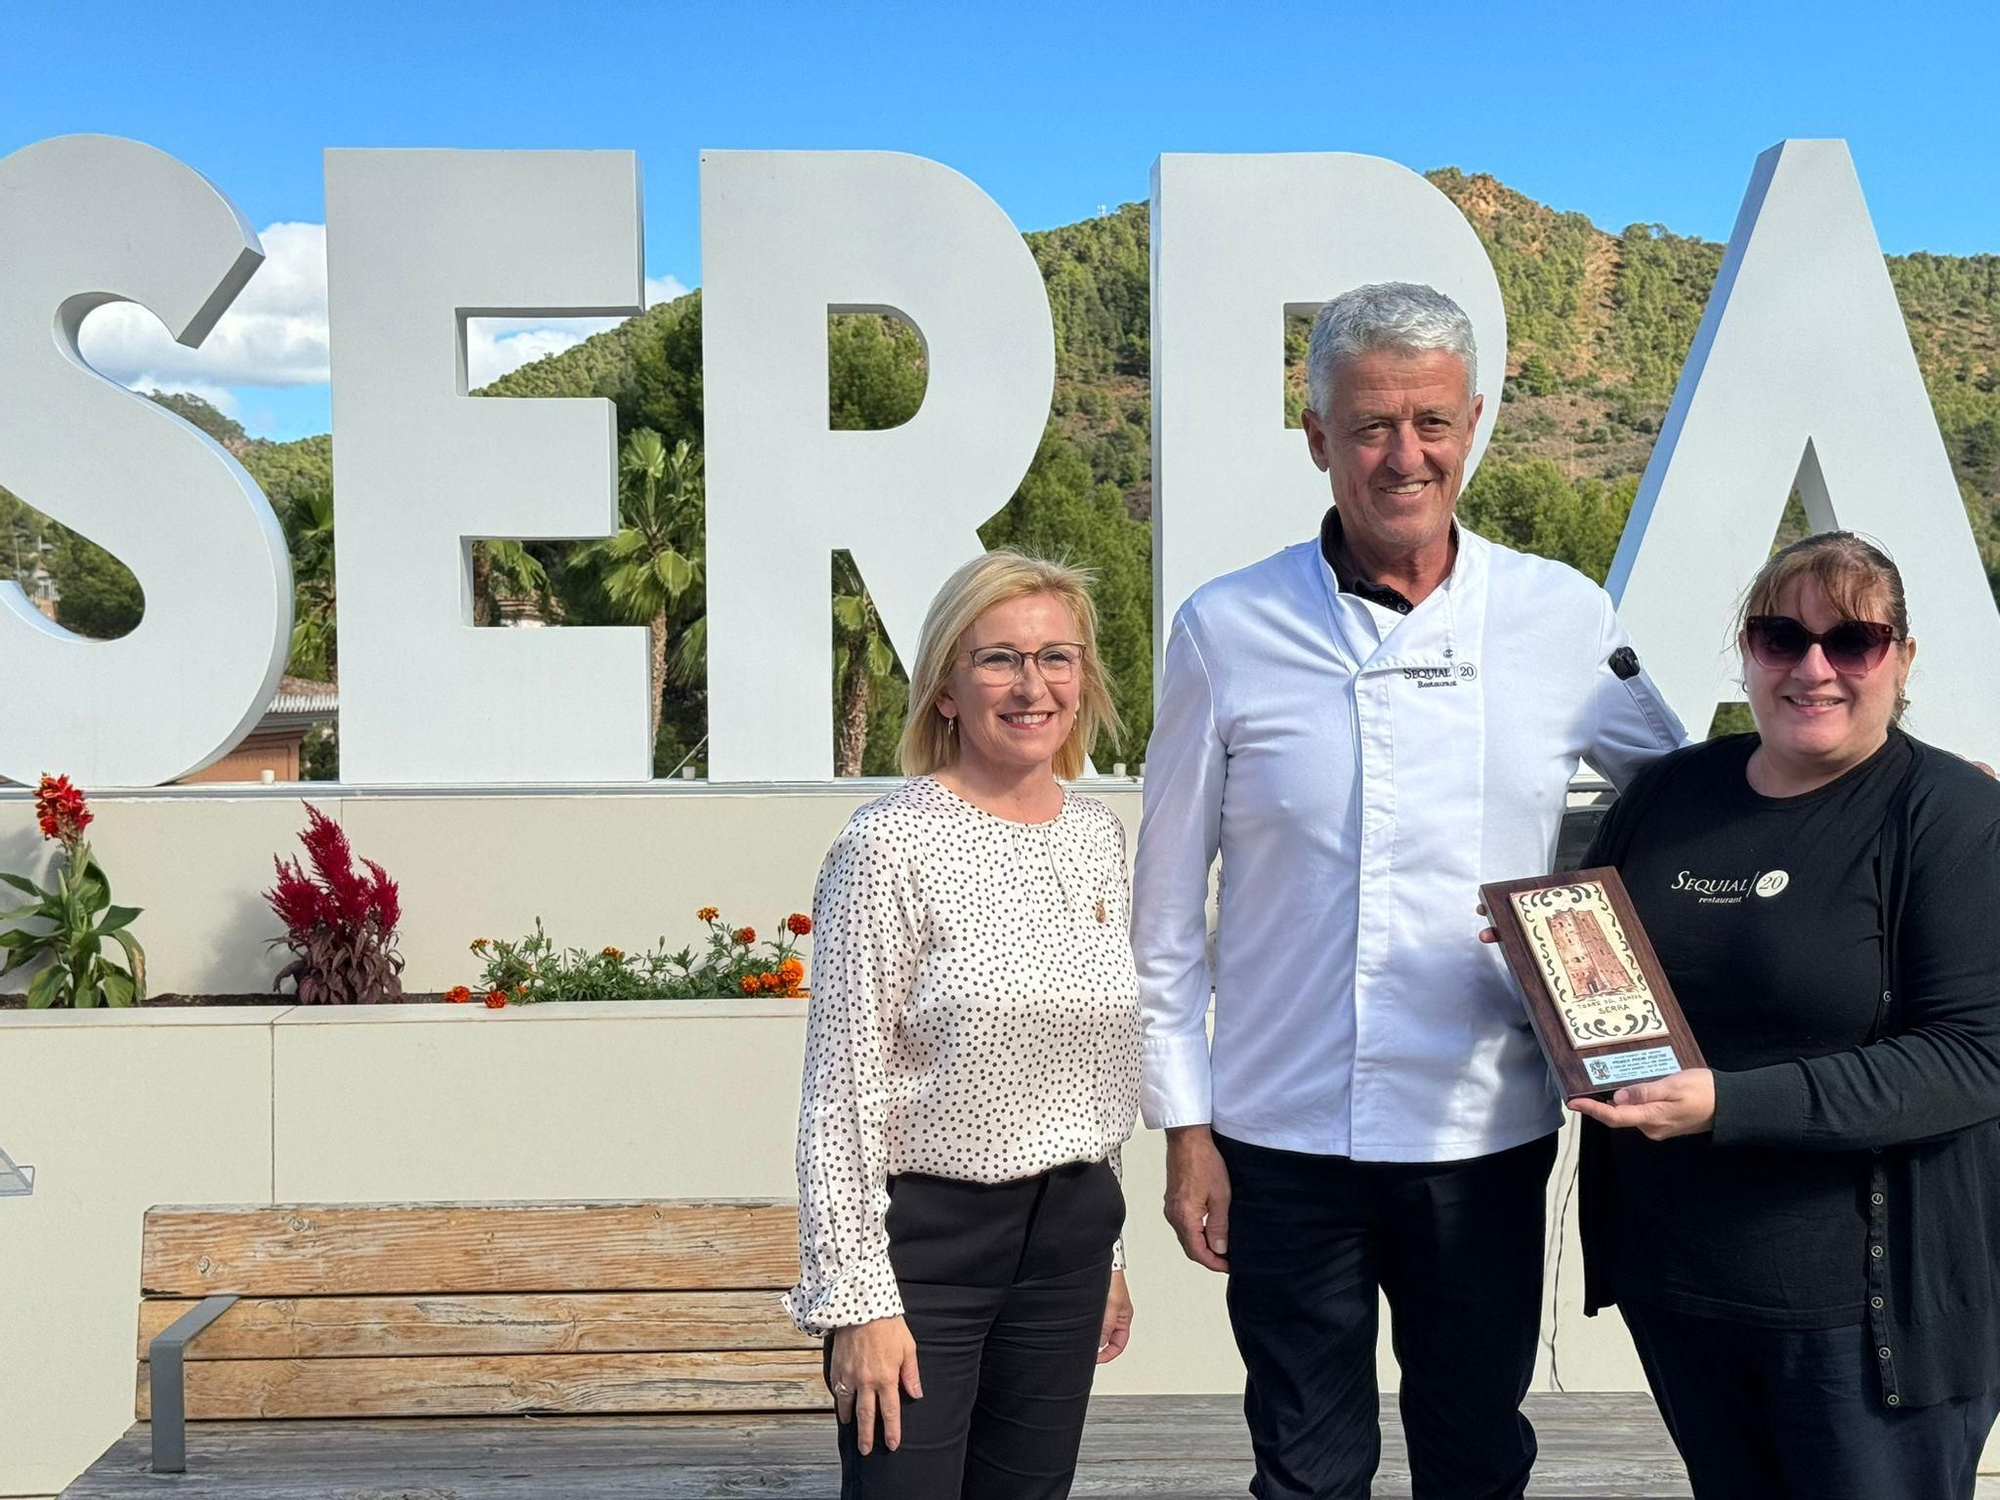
[1402, 315]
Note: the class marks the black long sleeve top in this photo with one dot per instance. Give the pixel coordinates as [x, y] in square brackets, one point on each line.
[1920, 1096]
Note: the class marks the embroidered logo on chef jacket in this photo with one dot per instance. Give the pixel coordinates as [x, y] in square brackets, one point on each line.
[1436, 677]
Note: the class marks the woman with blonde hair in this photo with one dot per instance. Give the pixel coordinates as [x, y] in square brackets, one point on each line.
[972, 1063]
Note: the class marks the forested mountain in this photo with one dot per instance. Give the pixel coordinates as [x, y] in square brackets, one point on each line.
[1599, 325]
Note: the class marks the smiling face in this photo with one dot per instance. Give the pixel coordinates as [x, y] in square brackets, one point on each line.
[1007, 727]
[1394, 442]
[1815, 722]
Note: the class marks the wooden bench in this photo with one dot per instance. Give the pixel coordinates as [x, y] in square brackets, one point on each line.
[602, 1351]
[466, 1310]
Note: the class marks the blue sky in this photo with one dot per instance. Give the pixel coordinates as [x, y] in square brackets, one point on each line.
[1643, 112]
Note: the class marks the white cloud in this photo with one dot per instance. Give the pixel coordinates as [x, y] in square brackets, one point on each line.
[276, 332]
[663, 289]
[498, 346]
[491, 353]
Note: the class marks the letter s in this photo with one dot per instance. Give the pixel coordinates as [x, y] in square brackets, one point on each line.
[86, 220]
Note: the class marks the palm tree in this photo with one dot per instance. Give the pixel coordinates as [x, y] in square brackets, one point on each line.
[863, 664]
[499, 561]
[656, 557]
[315, 648]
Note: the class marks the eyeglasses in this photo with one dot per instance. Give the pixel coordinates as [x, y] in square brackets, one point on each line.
[1058, 662]
[1853, 648]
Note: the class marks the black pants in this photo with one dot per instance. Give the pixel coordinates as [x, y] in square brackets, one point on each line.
[1781, 1412]
[1457, 1249]
[1003, 1288]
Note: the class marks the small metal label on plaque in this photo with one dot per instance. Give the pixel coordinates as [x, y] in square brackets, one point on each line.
[1631, 1067]
[1587, 963]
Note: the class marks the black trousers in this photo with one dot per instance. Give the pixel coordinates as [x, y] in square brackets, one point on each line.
[1003, 1289]
[1456, 1247]
[1783, 1412]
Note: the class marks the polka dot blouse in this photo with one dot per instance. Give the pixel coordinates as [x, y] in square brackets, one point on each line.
[974, 1015]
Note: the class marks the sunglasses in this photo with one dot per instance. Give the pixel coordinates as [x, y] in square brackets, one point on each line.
[1852, 648]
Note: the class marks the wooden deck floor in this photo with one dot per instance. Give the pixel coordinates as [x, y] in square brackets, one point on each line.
[1602, 1445]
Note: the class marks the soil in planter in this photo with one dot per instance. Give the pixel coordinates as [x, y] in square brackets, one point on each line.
[20, 1002]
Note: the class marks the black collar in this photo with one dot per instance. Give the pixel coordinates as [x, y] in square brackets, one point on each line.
[1333, 547]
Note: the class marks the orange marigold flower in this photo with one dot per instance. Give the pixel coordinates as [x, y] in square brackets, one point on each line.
[773, 983]
[707, 914]
[458, 994]
[799, 923]
[792, 970]
[748, 984]
[479, 945]
[496, 999]
[614, 953]
[746, 935]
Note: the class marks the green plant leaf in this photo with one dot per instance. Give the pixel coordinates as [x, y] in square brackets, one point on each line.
[44, 988]
[93, 889]
[850, 613]
[136, 957]
[117, 917]
[23, 884]
[117, 986]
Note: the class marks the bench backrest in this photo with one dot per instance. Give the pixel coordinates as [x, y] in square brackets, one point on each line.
[482, 1309]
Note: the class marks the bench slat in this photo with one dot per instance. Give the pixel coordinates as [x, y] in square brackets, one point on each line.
[451, 1248]
[578, 1323]
[221, 1390]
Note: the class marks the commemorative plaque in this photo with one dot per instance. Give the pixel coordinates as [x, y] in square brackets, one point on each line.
[1595, 993]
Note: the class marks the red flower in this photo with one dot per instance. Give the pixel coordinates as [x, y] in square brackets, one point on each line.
[342, 897]
[746, 935]
[60, 810]
[458, 994]
[799, 923]
[496, 999]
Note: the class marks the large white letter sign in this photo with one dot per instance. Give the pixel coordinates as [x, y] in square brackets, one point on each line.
[1802, 372]
[786, 238]
[1240, 243]
[416, 243]
[86, 220]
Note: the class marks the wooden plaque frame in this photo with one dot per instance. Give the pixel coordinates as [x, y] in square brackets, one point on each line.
[1593, 987]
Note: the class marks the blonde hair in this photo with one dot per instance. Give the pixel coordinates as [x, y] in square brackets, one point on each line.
[930, 740]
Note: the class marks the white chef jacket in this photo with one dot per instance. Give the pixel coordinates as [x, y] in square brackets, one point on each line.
[1361, 773]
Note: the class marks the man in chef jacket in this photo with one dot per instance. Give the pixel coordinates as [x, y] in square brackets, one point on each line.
[1367, 726]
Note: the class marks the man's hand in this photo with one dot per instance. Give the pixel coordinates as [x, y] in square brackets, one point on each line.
[1117, 1321]
[1683, 1104]
[1198, 1195]
[873, 1365]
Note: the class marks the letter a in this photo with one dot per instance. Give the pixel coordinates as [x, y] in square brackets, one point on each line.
[1802, 373]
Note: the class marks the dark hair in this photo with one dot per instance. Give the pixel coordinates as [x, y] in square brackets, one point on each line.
[1851, 571]
[1854, 573]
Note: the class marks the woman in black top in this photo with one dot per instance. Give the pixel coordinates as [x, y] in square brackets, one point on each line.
[1805, 1241]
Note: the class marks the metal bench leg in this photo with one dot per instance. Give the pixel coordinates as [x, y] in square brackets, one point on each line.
[168, 1382]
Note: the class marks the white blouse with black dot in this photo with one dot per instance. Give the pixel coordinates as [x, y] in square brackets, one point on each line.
[974, 1015]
